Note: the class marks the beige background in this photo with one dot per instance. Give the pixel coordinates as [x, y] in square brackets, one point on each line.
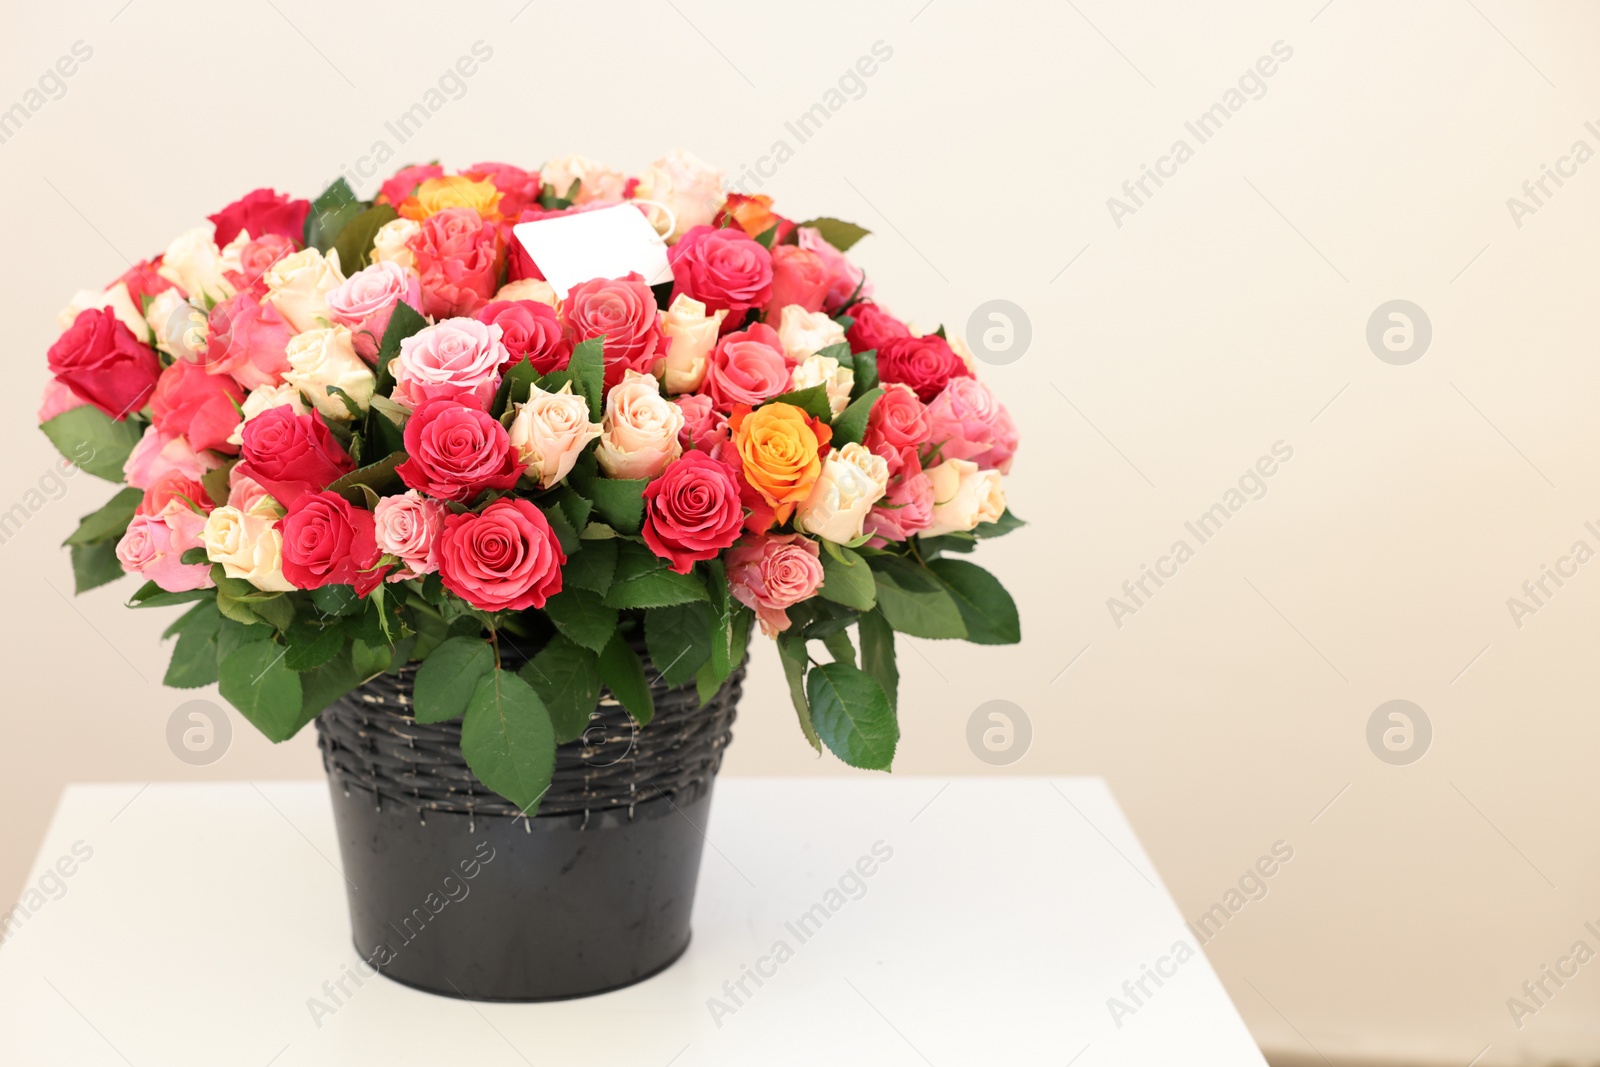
[1227, 314]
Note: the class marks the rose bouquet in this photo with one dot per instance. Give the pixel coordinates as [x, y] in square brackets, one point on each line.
[361, 434]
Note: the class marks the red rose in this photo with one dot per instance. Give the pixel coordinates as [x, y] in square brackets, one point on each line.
[624, 310]
[506, 556]
[262, 212]
[873, 327]
[201, 406]
[898, 422]
[290, 455]
[798, 277]
[519, 188]
[924, 363]
[406, 180]
[722, 269]
[248, 341]
[101, 361]
[326, 541]
[458, 258]
[529, 330]
[455, 452]
[692, 511]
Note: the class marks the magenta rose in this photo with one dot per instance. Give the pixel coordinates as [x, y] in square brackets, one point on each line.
[255, 259]
[290, 454]
[692, 511]
[873, 327]
[203, 407]
[624, 311]
[722, 268]
[846, 281]
[704, 427]
[458, 258]
[366, 301]
[248, 341]
[898, 421]
[773, 572]
[530, 331]
[259, 213]
[328, 541]
[906, 508]
[455, 452]
[747, 367]
[406, 180]
[457, 359]
[504, 557]
[519, 188]
[799, 276]
[926, 364]
[101, 360]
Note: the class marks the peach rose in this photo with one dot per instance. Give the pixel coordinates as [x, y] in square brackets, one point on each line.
[691, 335]
[550, 431]
[407, 527]
[193, 263]
[441, 194]
[963, 496]
[298, 286]
[529, 289]
[598, 181]
[640, 435]
[802, 332]
[392, 244]
[248, 546]
[825, 371]
[852, 480]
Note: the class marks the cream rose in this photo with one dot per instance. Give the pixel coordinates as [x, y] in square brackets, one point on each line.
[324, 357]
[550, 431]
[825, 371]
[391, 244]
[599, 182]
[529, 289]
[117, 299]
[640, 432]
[265, 398]
[693, 335]
[298, 286]
[852, 480]
[193, 263]
[963, 496]
[803, 332]
[690, 188]
[248, 546]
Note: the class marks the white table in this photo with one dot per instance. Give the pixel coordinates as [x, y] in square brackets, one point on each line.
[209, 915]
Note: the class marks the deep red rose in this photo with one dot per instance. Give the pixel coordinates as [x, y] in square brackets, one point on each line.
[530, 330]
[519, 188]
[327, 541]
[456, 452]
[201, 406]
[873, 327]
[406, 180]
[458, 259]
[924, 363]
[262, 212]
[624, 310]
[722, 269]
[798, 277]
[692, 511]
[504, 557]
[290, 455]
[101, 361]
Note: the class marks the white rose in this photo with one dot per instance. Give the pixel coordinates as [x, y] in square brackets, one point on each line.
[193, 263]
[117, 299]
[690, 188]
[693, 335]
[389, 244]
[298, 286]
[248, 546]
[852, 480]
[550, 431]
[640, 432]
[265, 398]
[803, 332]
[958, 345]
[963, 496]
[825, 371]
[599, 182]
[324, 357]
[529, 289]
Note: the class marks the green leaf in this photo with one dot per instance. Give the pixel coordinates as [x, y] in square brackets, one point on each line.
[618, 501]
[194, 556]
[792, 652]
[989, 611]
[813, 401]
[573, 506]
[839, 647]
[110, 522]
[369, 661]
[254, 679]
[1001, 526]
[851, 425]
[592, 566]
[310, 645]
[403, 322]
[567, 678]
[852, 715]
[330, 213]
[354, 243]
[566, 533]
[623, 674]
[275, 609]
[446, 680]
[838, 233]
[151, 595]
[93, 440]
[583, 617]
[379, 477]
[336, 600]
[507, 739]
[94, 565]
[194, 657]
[877, 654]
[679, 639]
[866, 371]
[588, 370]
[326, 684]
[846, 579]
[914, 601]
[215, 482]
[767, 236]
[654, 589]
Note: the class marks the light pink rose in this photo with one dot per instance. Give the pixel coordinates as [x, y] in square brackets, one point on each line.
[366, 301]
[843, 276]
[151, 549]
[157, 453]
[773, 572]
[250, 496]
[967, 421]
[550, 431]
[457, 359]
[247, 340]
[640, 435]
[704, 427]
[408, 527]
[58, 399]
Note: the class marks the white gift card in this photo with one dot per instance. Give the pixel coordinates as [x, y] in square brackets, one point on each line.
[604, 243]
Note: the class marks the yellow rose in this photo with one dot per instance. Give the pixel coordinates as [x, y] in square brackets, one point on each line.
[441, 194]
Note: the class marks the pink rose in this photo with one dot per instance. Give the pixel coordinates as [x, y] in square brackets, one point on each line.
[692, 511]
[406, 180]
[246, 494]
[291, 454]
[504, 557]
[531, 331]
[873, 327]
[846, 281]
[747, 367]
[248, 341]
[458, 257]
[723, 269]
[966, 421]
[519, 188]
[906, 508]
[898, 421]
[255, 259]
[366, 301]
[158, 453]
[704, 427]
[457, 359]
[104, 363]
[328, 541]
[58, 399]
[773, 572]
[799, 276]
[151, 549]
[408, 526]
[455, 452]
[203, 407]
[622, 309]
[174, 487]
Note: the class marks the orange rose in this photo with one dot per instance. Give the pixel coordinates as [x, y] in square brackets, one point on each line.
[779, 446]
[755, 216]
[439, 194]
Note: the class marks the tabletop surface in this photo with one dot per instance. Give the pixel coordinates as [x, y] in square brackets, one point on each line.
[198, 924]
